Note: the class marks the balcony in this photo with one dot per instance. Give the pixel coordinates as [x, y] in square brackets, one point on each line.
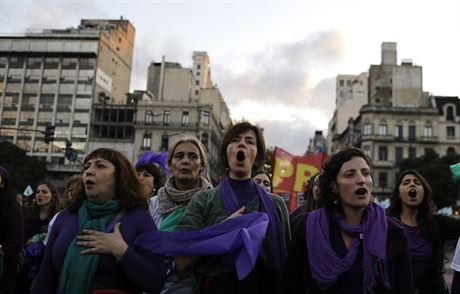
[378, 138]
[424, 139]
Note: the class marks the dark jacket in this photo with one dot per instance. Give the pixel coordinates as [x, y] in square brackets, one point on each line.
[299, 276]
[12, 241]
[443, 228]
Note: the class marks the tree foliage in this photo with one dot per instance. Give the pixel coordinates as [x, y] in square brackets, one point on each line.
[436, 170]
[25, 170]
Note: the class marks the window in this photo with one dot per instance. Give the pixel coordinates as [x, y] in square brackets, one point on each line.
[398, 154]
[148, 117]
[367, 129]
[383, 153]
[383, 180]
[204, 140]
[198, 66]
[428, 131]
[198, 73]
[412, 153]
[399, 132]
[341, 83]
[450, 131]
[166, 117]
[197, 92]
[411, 133]
[184, 120]
[147, 142]
[164, 143]
[87, 63]
[451, 151]
[51, 63]
[197, 82]
[383, 129]
[367, 150]
[348, 83]
[33, 62]
[450, 113]
[205, 117]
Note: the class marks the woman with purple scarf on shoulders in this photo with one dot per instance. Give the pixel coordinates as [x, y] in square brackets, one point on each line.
[426, 230]
[348, 245]
[242, 152]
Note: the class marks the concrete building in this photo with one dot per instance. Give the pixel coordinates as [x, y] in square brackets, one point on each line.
[55, 76]
[400, 120]
[181, 101]
[351, 94]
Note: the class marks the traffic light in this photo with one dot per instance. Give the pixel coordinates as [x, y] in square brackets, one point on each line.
[68, 149]
[69, 152]
[49, 133]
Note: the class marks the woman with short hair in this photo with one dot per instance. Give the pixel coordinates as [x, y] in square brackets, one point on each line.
[242, 153]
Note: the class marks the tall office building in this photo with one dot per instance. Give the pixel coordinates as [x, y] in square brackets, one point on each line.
[55, 76]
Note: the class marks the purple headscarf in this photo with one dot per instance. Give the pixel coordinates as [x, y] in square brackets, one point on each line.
[150, 157]
[275, 229]
[326, 266]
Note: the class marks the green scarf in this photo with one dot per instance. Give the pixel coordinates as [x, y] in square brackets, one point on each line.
[78, 270]
[170, 222]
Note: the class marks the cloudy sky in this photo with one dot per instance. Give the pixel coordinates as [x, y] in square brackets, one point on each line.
[275, 62]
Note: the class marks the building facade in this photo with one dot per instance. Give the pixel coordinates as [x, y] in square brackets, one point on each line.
[351, 94]
[56, 76]
[400, 120]
[182, 101]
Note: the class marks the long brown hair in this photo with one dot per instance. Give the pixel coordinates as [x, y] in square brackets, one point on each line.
[127, 187]
[55, 204]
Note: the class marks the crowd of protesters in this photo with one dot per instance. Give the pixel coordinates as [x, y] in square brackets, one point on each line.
[159, 226]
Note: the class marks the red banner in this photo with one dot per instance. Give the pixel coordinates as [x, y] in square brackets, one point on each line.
[291, 173]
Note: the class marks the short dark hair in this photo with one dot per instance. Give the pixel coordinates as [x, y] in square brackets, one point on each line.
[238, 129]
[159, 177]
[260, 171]
[331, 169]
[128, 186]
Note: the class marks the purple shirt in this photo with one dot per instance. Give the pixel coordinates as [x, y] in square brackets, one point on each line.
[138, 270]
[420, 252]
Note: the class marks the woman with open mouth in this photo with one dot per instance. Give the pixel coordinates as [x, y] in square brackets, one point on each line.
[242, 153]
[348, 244]
[91, 247]
[426, 231]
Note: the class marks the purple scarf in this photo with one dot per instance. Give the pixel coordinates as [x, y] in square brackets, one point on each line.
[240, 236]
[326, 266]
[275, 229]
